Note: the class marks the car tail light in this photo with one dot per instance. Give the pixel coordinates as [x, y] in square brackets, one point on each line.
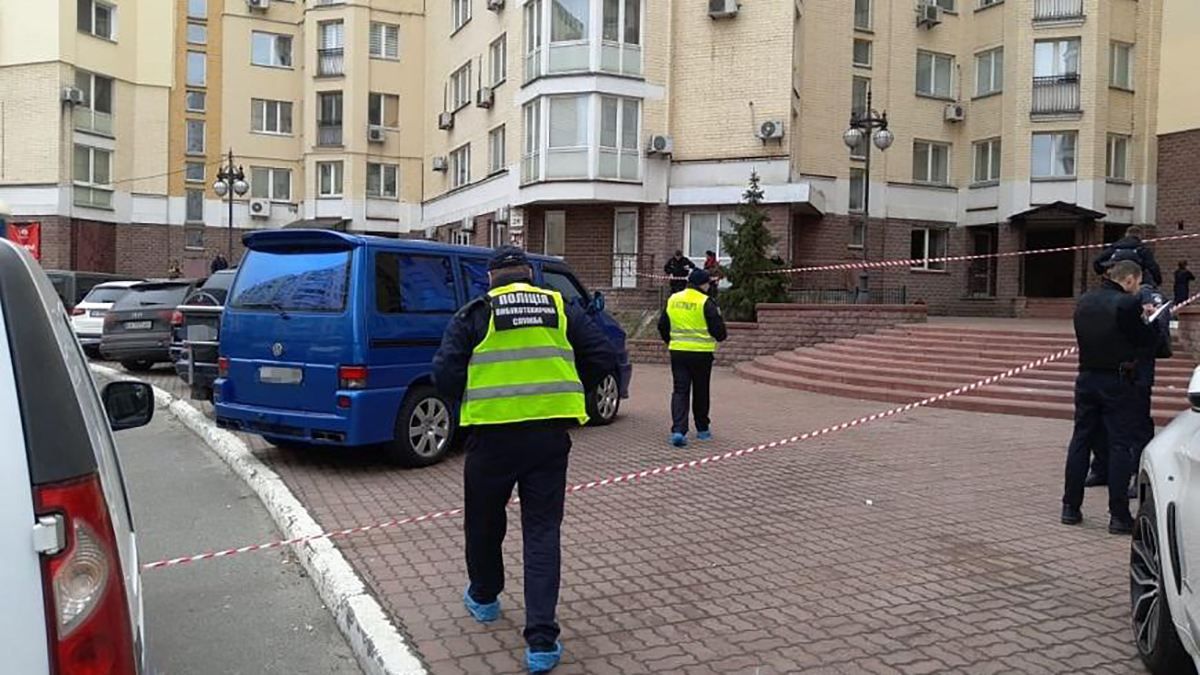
[352, 377]
[177, 318]
[87, 616]
[223, 366]
[78, 311]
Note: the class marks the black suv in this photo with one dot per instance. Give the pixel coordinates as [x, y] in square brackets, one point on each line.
[137, 330]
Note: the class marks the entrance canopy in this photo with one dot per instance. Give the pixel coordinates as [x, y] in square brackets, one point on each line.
[1056, 213]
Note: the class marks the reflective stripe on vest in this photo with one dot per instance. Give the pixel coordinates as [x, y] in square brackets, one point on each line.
[689, 328]
[524, 369]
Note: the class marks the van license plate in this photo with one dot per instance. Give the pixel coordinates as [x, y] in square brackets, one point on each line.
[277, 375]
[138, 325]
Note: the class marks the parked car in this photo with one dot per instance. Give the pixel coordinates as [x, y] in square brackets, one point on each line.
[73, 286]
[1164, 565]
[137, 329]
[195, 332]
[328, 339]
[71, 597]
[87, 318]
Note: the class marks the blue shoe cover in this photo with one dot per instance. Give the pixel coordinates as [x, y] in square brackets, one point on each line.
[679, 440]
[482, 613]
[543, 662]
[705, 435]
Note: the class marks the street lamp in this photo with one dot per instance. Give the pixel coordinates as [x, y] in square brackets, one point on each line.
[867, 124]
[231, 181]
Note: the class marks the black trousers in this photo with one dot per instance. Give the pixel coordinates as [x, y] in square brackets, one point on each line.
[534, 459]
[692, 372]
[1105, 401]
[1143, 434]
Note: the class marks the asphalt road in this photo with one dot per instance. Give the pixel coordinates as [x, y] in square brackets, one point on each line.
[253, 613]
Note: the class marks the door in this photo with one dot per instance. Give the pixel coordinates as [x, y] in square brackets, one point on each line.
[625, 249]
[981, 275]
[1049, 275]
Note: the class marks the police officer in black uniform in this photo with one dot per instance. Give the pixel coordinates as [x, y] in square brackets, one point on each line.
[531, 455]
[1112, 333]
[1130, 247]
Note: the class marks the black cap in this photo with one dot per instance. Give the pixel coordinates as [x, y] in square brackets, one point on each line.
[508, 256]
[698, 278]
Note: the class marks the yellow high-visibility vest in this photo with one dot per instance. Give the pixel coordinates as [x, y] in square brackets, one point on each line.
[689, 328]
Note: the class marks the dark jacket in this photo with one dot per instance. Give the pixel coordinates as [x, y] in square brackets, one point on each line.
[1161, 347]
[1130, 248]
[712, 317]
[1110, 330]
[219, 263]
[679, 267]
[595, 356]
[1183, 278]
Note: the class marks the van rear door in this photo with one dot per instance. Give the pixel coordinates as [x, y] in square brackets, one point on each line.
[289, 322]
[412, 301]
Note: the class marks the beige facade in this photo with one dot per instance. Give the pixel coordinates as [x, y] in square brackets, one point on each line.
[1178, 87]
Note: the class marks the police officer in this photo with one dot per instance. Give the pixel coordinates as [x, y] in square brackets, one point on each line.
[1130, 247]
[1111, 334]
[678, 268]
[519, 359]
[691, 326]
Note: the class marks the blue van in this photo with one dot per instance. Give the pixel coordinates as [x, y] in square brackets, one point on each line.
[328, 339]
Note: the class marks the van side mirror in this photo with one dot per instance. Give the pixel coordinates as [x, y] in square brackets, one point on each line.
[1194, 390]
[597, 302]
[129, 405]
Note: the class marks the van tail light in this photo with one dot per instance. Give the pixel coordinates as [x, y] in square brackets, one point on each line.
[78, 311]
[177, 318]
[352, 377]
[223, 366]
[87, 616]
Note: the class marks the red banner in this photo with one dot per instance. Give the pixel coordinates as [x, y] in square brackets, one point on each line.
[27, 235]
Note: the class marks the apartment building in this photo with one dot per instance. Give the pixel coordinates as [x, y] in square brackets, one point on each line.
[1179, 135]
[84, 89]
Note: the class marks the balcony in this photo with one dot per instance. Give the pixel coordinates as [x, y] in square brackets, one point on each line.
[329, 134]
[1056, 95]
[331, 62]
[87, 119]
[1057, 10]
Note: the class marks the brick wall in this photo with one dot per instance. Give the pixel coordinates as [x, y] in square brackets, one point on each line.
[149, 250]
[1178, 200]
[781, 327]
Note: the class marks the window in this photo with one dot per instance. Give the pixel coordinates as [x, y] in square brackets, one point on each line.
[460, 166]
[413, 283]
[935, 73]
[859, 88]
[93, 177]
[947, 5]
[460, 237]
[195, 206]
[556, 233]
[862, 53]
[858, 189]
[931, 162]
[989, 72]
[314, 282]
[926, 244]
[195, 101]
[195, 137]
[197, 69]
[383, 110]
[460, 87]
[567, 153]
[197, 33]
[385, 41]
[270, 117]
[1056, 58]
[987, 161]
[460, 13]
[271, 183]
[989, 3]
[97, 18]
[383, 180]
[531, 155]
[1054, 155]
[193, 238]
[862, 14]
[329, 118]
[475, 275]
[703, 233]
[331, 55]
[533, 39]
[1121, 58]
[1118, 157]
[569, 32]
[568, 287]
[496, 150]
[197, 9]
[270, 49]
[329, 179]
[619, 147]
[95, 113]
[498, 58]
[193, 172]
[621, 36]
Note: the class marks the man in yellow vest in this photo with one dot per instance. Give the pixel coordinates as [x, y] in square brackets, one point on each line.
[691, 326]
[519, 360]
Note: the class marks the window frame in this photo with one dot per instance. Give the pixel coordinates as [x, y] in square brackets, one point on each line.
[383, 168]
[384, 30]
[384, 108]
[1114, 47]
[460, 166]
[557, 213]
[724, 217]
[857, 174]
[275, 51]
[190, 230]
[271, 195]
[187, 101]
[933, 73]
[280, 106]
[94, 111]
[929, 162]
[188, 166]
[995, 72]
[460, 14]
[927, 234]
[1060, 53]
[89, 185]
[869, 13]
[187, 137]
[337, 175]
[460, 87]
[203, 61]
[1110, 146]
[993, 147]
[193, 3]
[1054, 159]
[88, 26]
[621, 149]
[498, 47]
[498, 152]
[187, 205]
[869, 62]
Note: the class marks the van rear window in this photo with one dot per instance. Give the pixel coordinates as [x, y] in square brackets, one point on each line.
[299, 282]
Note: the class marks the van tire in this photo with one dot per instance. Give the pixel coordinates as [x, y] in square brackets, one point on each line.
[604, 402]
[425, 429]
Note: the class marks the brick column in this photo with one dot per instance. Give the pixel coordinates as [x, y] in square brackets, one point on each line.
[1008, 268]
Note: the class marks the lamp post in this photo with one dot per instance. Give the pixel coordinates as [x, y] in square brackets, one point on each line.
[230, 181]
[867, 124]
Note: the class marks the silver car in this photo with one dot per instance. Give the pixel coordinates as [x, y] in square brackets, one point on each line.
[70, 590]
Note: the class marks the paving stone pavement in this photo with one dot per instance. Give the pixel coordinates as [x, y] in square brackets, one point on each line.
[926, 543]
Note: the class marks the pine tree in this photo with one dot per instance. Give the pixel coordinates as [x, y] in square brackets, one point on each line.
[749, 246]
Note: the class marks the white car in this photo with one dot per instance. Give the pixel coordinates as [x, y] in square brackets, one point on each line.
[70, 590]
[87, 318]
[1164, 563]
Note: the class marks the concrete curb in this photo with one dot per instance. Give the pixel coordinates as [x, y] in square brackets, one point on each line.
[379, 647]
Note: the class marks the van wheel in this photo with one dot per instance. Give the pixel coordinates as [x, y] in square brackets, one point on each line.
[604, 402]
[424, 429]
[138, 366]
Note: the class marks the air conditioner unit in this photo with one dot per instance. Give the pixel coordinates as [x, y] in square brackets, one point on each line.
[660, 145]
[468, 225]
[928, 14]
[446, 121]
[955, 112]
[771, 129]
[260, 208]
[439, 164]
[72, 95]
[486, 97]
[375, 134]
[258, 4]
[500, 217]
[495, 5]
[722, 9]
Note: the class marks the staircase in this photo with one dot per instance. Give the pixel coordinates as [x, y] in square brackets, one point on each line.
[910, 363]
